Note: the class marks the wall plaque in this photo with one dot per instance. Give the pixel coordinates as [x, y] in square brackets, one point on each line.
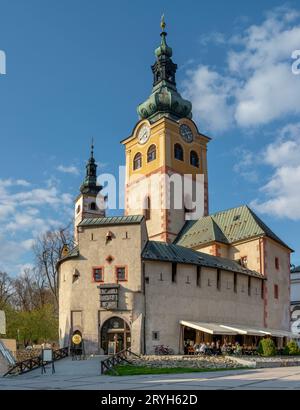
[109, 296]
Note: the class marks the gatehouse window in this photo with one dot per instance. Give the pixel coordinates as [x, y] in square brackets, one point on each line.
[151, 154]
[121, 273]
[194, 159]
[178, 152]
[137, 162]
[98, 274]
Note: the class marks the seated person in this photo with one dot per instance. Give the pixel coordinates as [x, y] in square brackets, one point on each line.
[202, 348]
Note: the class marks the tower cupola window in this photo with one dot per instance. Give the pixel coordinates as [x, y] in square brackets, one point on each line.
[194, 159]
[93, 206]
[178, 152]
[151, 154]
[137, 162]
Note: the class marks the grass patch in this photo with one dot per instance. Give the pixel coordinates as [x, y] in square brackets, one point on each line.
[131, 370]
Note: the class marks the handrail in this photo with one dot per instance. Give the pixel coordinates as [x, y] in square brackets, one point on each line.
[120, 357]
[35, 362]
[7, 354]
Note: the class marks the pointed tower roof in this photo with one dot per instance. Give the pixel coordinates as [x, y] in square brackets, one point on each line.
[165, 100]
[89, 185]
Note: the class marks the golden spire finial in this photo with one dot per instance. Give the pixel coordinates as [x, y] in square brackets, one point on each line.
[163, 23]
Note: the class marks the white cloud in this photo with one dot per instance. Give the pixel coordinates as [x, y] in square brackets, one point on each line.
[281, 192]
[25, 213]
[214, 37]
[246, 164]
[68, 169]
[210, 93]
[257, 85]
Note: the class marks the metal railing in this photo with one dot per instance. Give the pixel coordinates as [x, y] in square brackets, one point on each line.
[118, 358]
[7, 354]
[35, 362]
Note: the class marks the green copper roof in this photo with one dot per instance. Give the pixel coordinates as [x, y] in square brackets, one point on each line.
[165, 100]
[160, 251]
[295, 269]
[229, 226]
[113, 220]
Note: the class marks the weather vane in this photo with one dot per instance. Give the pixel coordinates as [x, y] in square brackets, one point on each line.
[163, 23]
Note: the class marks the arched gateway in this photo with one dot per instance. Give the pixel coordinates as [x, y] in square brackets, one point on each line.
[115, 335]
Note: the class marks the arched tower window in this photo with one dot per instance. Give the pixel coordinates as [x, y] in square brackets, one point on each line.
[178, 152]
[137, 162]
[93, 206]
[147, 208]
[194, 159]
[151, 154]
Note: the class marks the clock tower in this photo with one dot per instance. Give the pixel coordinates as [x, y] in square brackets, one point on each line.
[166, 156]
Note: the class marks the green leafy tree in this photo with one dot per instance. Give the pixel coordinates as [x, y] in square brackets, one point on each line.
[267, 347]
[293, 348]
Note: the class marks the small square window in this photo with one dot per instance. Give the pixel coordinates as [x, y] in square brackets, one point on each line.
[121, 273]
[155, 335]
[98, 274]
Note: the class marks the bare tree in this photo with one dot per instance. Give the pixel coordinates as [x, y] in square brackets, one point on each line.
[6, 289]
[31, 291]
[24, 291]
[47, 251]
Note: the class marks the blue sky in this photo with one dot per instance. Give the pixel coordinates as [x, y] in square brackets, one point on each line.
[78, 69]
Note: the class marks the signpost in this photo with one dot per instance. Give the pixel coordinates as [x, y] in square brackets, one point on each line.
[47, 358]
[77, 348]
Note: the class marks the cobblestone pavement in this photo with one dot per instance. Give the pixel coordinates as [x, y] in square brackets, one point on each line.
[84, 375]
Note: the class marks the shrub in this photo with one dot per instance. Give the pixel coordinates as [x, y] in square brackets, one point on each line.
[267, 348]
[293, 348]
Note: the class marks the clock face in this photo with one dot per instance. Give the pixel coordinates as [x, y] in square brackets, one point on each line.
[144, 134]
[186, 133]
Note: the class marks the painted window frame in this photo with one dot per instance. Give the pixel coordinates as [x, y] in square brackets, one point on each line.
[126, 273]
[93, 274]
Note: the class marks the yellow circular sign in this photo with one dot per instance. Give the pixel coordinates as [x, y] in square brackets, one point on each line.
[76, 339]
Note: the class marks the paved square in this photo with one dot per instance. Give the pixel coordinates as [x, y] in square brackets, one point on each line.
[85, 375]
